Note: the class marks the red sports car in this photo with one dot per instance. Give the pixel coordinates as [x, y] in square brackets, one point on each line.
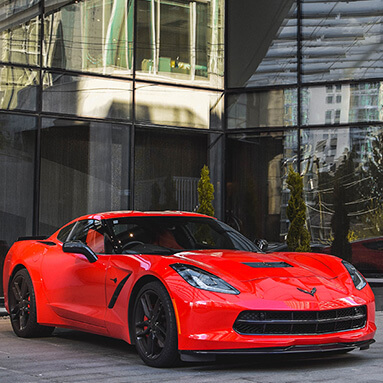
[184, 286]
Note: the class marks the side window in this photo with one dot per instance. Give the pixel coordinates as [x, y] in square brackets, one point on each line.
[64, 232]
[90, 232]
[377, 245]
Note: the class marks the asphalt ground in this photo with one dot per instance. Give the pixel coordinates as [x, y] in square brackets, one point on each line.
[72, 356]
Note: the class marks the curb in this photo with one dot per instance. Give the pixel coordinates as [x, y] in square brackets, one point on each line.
[3, 312]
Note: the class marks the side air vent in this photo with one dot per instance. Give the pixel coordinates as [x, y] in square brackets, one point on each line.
[259, 265]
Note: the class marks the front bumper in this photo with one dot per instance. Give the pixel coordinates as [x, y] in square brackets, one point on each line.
[211, 355]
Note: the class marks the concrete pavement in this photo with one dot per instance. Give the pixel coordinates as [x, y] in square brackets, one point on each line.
[71, 356]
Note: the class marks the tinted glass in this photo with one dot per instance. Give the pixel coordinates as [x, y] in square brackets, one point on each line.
[84, 169]
[256, 190]
[343, 167]
[164, 235]
[167, 170]
[176, 106]
[262, 42]
[81, 229]
[86, 96]
[342, 40]
[91, 36]
[342, 103]
[18, 88]
[19, 39]
[343, 191]
[17, 164]
[253, 110]
[181, 40]
[63, 234]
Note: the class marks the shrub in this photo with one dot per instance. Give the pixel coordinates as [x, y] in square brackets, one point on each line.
[298, 237]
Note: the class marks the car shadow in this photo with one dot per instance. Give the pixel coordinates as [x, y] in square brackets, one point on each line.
[274, 362]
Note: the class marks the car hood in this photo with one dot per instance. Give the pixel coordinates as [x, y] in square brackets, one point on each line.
[281, 276]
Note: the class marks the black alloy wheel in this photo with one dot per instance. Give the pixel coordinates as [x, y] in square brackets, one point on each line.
[22, 307]
[155, 326]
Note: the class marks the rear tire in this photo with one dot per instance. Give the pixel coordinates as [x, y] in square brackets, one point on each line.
[22, 307]
[155, 327]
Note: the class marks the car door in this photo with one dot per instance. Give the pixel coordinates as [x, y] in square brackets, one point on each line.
[75, 287]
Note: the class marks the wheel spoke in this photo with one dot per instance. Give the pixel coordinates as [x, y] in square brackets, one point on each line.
[23, 320]
[142, 324]
[145, 302]
[142, 328]
[24, 292]
[161, 339]
[157, 310]
[161, 329]
[16, 291]
[15, 312]
[143, 333]
[150, 345]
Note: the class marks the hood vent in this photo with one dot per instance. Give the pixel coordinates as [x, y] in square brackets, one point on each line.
[258, 265]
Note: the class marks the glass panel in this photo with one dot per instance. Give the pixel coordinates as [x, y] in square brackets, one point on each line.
[19, 42]
[17, 161]
[255, 190]
[343, 180]
[342, 40]
[167, 170]
[251, 110]
[262, 43]
[87, 96]
[18, 87]
[216, 154]
[91, 36]
[84, 169]
[342, 104]
[175, 106]
[181, 40]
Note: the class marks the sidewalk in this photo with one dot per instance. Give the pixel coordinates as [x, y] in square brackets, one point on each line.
[77, 357]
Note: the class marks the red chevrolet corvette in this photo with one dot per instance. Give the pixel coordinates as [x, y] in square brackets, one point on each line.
[184, 286]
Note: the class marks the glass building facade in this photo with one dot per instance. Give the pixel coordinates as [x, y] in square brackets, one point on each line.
[118, 104]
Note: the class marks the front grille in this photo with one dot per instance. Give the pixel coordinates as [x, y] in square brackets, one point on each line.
[300, 322]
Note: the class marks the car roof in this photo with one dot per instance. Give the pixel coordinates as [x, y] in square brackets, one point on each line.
[134, 213]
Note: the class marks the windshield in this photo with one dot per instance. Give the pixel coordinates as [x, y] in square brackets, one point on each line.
[167, 235]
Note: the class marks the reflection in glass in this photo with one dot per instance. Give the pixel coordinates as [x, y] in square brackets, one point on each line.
[18, 87]
[19, 39]
[344, 163]
[256, 197]
[87, 96]
[17, 157]
[180, 39]
[91, 36]
[84, 169]
[342, 103]
[175, 106]
[261, 109]
[262, 43]
[342, 40]
[167, 170]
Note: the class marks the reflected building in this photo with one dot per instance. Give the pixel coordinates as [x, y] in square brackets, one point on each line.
[118, 104]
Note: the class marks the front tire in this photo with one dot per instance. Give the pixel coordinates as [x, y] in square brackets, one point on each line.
[155, 327]
[22, 307]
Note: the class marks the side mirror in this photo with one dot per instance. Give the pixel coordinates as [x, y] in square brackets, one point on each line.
[80, 248]
[262, 244]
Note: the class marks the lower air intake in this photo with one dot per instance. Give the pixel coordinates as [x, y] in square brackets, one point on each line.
[300, 322]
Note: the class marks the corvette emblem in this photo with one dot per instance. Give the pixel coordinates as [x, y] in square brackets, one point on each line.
[312, 292]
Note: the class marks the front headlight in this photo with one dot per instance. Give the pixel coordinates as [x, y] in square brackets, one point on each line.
[356, 276]
[203, 280]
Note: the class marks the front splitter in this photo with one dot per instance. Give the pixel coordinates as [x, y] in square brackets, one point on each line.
[211, 355]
